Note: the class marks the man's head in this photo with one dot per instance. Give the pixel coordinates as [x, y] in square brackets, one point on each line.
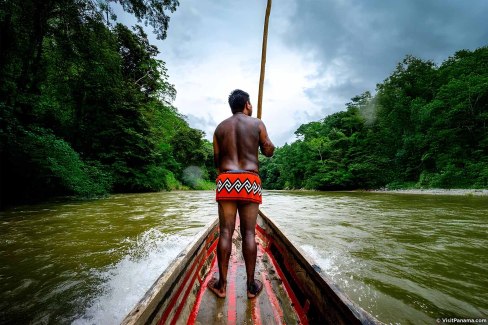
[239, 101]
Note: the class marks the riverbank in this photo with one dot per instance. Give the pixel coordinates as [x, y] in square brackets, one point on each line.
[437, 191]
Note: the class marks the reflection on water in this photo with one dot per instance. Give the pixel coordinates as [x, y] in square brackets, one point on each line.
[404, 258]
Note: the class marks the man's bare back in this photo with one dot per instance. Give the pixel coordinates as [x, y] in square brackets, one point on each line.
[237, 140]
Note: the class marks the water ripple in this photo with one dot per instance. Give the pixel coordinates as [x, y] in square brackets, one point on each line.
[407, 259]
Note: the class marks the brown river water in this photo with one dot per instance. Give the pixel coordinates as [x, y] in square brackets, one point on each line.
[405, 258]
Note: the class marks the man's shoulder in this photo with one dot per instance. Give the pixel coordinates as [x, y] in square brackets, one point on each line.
[223, 123]
[253, 120]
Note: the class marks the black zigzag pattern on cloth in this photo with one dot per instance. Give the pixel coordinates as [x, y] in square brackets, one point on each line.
[239, 186]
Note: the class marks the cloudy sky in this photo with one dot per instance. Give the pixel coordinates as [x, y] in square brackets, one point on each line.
[321, 53]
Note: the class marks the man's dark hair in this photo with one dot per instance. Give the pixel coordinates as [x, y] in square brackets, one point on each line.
[237, 100]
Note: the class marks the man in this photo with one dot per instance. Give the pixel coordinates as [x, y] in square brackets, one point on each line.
[236, 142]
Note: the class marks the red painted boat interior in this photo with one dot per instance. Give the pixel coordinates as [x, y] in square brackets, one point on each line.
[276, 304]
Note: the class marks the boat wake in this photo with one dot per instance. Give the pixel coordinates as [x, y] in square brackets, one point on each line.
[125, 282]
[347, 273]
[327, 264]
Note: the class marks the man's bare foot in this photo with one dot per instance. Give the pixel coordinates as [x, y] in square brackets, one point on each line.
[254, 289]
[213, 286]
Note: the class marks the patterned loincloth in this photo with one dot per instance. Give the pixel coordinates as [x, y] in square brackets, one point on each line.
[239, 186]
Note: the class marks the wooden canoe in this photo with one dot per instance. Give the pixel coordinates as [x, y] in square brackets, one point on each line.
[296, 290]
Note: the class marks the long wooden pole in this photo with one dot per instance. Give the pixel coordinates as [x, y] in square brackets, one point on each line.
[263, 59]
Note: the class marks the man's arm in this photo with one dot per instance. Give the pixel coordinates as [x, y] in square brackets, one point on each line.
[267, 147]
[216, 153]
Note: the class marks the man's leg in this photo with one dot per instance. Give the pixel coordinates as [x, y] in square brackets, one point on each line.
[227, 223]
[248, 213]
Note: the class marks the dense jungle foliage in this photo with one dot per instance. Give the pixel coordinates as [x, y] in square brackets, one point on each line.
[85, 105]
[85, 110]
[426, 127]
